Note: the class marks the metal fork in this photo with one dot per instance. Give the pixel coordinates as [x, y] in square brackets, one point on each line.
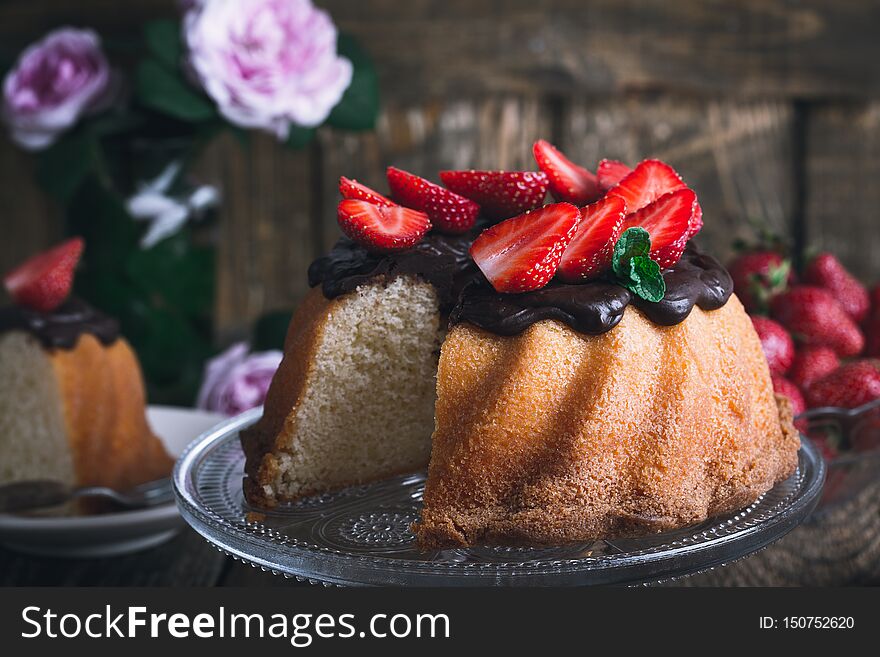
[37, 494]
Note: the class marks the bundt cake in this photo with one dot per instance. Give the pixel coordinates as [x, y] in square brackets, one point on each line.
[71, 393]
[626, 395]
[552, 435]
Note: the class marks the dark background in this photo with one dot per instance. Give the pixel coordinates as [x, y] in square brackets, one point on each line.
[768, 108]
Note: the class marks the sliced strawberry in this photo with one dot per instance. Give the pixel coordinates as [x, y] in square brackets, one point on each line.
[448, 211]
[349, 188]
[650, 180]
[568, 181]
[589, 253]
[696, 221]
[44, 281]
[381, 228]
[610, 172]
[668, 221]
[500, 194]
[523, 253]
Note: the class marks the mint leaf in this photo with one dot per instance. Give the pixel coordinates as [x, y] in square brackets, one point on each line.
[633, 267]
[648, 281]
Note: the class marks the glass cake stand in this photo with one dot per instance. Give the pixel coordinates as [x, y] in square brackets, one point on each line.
[361, 536]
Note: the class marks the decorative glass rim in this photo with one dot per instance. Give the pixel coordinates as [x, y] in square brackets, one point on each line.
[213, 462]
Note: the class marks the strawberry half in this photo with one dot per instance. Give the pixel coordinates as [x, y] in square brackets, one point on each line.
[44, 281]
[568, 181]
[448, 211]
[610, 172]
[523, 253]
[650, 180]
[500, 194]
[589, 253]
[381, 228]
[352, 189]
[668, 221]
[696, 221]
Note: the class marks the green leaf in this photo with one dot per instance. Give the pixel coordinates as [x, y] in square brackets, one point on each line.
[99, 216]
[163, 41]
[167, 92]
[299, 136]
[177, 273]
[359, 106]
[634, 268]
[63, 167]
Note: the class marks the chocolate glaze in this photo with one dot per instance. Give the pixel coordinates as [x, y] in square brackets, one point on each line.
[597, 306]
[61, 328]
[442, 260]
[592, 308]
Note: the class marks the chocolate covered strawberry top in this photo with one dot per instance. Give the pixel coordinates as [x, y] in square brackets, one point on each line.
[596, 307]
[502, 257]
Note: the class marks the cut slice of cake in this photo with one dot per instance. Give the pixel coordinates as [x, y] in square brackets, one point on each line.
[72, 401]
[75, 414]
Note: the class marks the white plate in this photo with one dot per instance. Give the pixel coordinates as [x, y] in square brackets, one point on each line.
[112, 534]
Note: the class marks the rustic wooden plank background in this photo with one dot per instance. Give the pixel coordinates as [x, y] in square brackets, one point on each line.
[770, 109]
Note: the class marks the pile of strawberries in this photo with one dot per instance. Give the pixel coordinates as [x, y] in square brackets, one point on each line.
[820, 331]
[530, 242]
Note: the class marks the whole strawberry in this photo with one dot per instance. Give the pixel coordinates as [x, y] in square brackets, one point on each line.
[826, 271]
[758, 276]
[813, 317]
[776, 342]
[849, 386]
[811, 364]
[784, 387]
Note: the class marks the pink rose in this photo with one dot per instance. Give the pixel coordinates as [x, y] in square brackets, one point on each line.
[235, 381]
[54, 83]
[267, 63]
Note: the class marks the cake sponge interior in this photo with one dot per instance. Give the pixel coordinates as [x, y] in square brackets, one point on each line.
[364, 410]
[32, 432]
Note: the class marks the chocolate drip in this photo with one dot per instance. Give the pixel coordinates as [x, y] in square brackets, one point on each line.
[696, 280]
[597, 306]
[61, 328]
[592, 308]
[441, 260]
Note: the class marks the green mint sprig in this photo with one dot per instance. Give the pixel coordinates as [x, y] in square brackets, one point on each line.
[633, 267]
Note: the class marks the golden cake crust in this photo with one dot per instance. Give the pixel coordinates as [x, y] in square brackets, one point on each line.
[553, 436]
[288, 387]
[103, 396]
